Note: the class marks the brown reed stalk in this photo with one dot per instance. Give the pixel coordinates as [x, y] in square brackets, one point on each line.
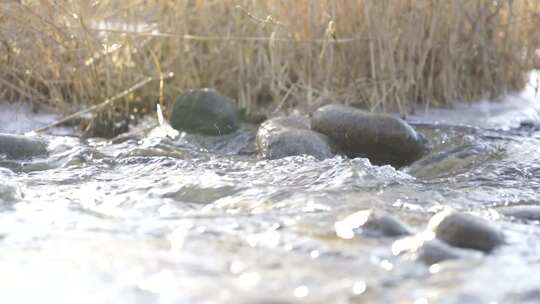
[271, 56]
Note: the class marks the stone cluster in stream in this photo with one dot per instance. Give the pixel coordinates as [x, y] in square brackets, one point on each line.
[333, 129]
[448, 236]
[338, 129]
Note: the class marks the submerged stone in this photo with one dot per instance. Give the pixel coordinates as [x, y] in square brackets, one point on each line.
[465, 231]
[434, 251]
[21, 147]
[453, 160]
[528, 213]
[204, 111]
[371, 223]
[286, 136]
[382, 138]
[429, 251]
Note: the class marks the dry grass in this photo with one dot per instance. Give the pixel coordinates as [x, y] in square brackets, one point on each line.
[270, 55]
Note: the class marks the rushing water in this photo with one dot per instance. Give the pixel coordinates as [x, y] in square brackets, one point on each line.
[146, 219]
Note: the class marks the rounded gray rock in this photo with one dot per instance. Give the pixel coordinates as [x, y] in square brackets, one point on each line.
[382, 138]
[434, 251]
[371, 223]
[21, 147]
[465, 231]
[385, 224]
[204, 111]
[286, 136]
[429, 251]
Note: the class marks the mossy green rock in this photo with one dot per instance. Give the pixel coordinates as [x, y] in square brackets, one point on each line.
[383, 139]
[20, 147]
[204, 111]
[286, 136]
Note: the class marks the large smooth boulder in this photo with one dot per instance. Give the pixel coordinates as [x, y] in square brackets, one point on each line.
[287, 136]
[382, 138]
[465, 231]
[204, 111]
[21, 147]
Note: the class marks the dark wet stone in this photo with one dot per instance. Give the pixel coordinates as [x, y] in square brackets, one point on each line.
[382, 138]
[287, 136]
[205, 111]
[384, 224]
[529, 125]
[466, 231]
[21, 147]
[371, 223]
[429, 251]
[529, 213]
[434, 251]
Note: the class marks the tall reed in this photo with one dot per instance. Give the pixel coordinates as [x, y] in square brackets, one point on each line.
[271, 56]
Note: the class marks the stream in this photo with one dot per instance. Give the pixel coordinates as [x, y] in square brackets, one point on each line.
[146, 219]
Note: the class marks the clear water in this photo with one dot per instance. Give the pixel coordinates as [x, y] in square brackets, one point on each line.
[199, 220]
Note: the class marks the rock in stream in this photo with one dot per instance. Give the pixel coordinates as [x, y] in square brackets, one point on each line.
[465, 231]
[429, 251]
[205, 111]
[526, 213]
[371, 223]
[382, 138]
[287, 136]
[21, 147]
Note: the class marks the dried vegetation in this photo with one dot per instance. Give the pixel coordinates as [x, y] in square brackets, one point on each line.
[270, 56]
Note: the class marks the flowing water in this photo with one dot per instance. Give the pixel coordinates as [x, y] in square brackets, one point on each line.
[145, 219]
